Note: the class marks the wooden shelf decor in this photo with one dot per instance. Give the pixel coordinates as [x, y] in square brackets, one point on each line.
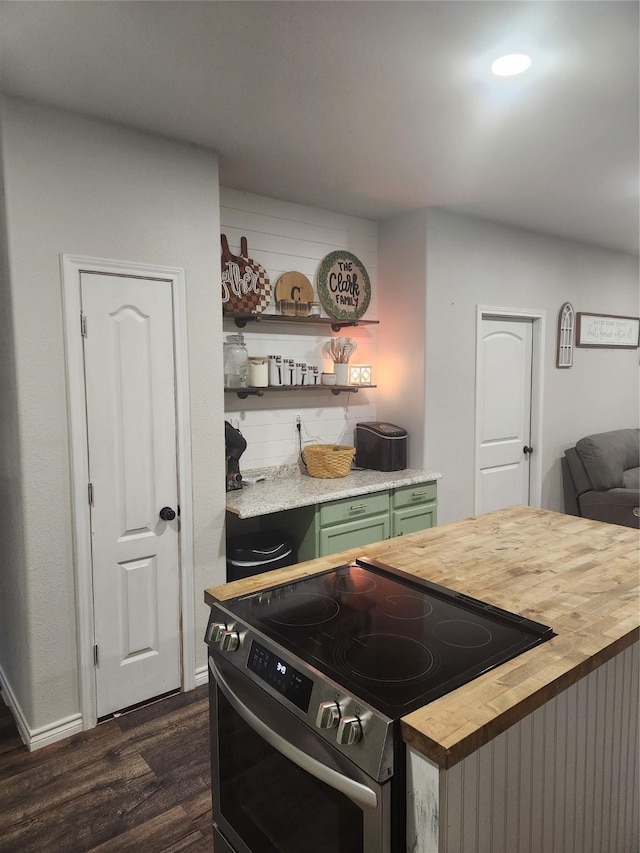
[243, 393]
[241, 319]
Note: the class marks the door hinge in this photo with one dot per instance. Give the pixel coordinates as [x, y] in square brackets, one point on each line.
[95, 655]
[90, 493]
[83, 325]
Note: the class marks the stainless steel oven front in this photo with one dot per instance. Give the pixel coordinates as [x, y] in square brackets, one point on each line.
[281, 781]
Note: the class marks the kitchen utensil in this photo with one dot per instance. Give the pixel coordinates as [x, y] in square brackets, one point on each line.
[340, 349]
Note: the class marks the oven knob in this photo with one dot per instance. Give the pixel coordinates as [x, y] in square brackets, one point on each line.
[349, 731]
[328, 715]
[215, 631]
[229, 641]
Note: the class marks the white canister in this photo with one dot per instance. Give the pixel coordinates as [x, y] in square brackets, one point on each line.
[288, 371]
[258, 372]
[313, 374]
[276, 371]
[301, 373]
[342, 373]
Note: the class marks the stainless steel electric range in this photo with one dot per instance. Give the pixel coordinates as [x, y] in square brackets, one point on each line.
[308, 682]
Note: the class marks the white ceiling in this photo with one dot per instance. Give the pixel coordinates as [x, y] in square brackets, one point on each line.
[367, 108]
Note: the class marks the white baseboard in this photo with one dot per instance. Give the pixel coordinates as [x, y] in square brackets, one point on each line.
[60, 729]
[202, 675]
[45, 735]
[53, 732]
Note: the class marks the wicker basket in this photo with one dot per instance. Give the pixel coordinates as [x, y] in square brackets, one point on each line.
[328, 460]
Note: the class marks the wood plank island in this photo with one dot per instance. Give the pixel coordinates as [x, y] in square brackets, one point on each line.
[541, 753]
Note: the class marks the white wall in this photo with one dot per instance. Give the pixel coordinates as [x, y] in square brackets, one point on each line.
[80, 186]
[283, 237]
[402, 338]
[13, 587]
[472, 262]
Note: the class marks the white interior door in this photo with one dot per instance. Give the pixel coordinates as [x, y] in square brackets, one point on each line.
[131, 434]
[503, 411]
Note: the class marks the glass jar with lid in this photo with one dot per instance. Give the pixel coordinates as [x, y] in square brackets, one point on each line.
[236, 362]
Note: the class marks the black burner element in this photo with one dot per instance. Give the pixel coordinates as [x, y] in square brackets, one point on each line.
[304, 609]
[384, 657]
[462, 634]
[406, 607]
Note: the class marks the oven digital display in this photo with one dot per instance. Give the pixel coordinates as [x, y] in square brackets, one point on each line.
[280, 675]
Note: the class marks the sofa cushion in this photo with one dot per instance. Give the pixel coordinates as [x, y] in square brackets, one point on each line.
[607, 455]
[631, 478]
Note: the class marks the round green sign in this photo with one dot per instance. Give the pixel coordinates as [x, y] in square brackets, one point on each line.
[343, 286]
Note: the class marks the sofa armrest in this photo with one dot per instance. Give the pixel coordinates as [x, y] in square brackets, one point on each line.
[617, 506]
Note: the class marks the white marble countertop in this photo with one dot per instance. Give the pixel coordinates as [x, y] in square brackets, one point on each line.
[288, 488]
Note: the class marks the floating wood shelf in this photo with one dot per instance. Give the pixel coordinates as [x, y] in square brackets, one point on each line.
[241, 320]
[243, 393]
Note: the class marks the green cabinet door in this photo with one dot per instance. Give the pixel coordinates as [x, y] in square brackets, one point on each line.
[352, 534]
[414, 518]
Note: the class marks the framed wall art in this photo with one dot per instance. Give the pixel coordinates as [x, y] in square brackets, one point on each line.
[607, 330]
[566, 322]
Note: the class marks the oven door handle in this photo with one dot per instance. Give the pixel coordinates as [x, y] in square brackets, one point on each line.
[356, 792]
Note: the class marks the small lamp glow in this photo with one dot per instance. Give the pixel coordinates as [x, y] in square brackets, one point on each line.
[359, 374]
[510, 65]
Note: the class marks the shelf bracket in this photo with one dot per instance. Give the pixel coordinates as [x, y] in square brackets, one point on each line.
[254, 392]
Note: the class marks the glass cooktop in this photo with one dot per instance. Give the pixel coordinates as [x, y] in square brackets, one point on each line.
[395, 641]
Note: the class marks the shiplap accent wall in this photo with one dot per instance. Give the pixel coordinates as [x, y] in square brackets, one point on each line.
[563, 780]
[284, 237]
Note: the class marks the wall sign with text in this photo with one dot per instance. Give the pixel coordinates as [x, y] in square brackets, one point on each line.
[607, 330]
[245, 283]
[343, 286]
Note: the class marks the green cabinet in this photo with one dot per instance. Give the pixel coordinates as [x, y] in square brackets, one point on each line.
[358, 521]
[352, 522]
[353, 534]
[413, 508]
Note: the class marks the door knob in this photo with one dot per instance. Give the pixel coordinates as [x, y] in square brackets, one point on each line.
[167, 514]
[527, 450]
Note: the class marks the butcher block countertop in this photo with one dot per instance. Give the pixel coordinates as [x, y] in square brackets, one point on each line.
[576, 575]
[287, 488]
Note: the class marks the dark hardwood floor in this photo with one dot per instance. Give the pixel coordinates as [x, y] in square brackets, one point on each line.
[138, 782]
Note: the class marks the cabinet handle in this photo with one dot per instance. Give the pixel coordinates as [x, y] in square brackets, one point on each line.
[416, 495]
[357, 508]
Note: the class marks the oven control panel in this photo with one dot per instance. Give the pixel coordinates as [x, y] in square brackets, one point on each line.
[283, 677]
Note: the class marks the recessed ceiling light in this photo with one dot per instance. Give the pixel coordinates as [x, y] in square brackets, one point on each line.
[513, 63]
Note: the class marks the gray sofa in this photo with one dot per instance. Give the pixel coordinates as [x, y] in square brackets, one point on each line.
[601, 477]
